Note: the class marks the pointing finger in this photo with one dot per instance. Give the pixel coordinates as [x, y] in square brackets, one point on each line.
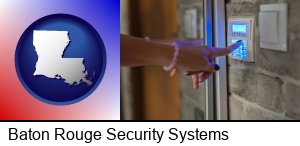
[225, 51]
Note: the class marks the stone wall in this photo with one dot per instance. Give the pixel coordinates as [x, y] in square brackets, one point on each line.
[269, 88]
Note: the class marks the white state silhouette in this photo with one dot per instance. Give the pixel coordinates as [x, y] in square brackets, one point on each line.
[50, 47]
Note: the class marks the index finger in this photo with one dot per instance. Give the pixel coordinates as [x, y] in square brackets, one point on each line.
[225, 51]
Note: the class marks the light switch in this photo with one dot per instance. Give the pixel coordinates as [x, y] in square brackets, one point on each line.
[190, 23]
[273, 27]
[268, 27]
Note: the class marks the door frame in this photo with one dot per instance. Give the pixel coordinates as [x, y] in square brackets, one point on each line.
[221, 91]
[216, 98]
[208, 37]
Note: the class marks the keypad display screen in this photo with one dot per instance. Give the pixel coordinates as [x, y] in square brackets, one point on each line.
[241, 51]
[239, 28]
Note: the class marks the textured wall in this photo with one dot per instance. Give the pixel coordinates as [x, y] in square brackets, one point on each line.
[192, 101]
[269, 88]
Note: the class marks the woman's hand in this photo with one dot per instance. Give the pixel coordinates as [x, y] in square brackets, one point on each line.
[194, 57]
[181, 44]
[197, 59]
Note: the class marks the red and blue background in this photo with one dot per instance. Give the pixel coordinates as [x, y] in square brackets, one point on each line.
[16, 103]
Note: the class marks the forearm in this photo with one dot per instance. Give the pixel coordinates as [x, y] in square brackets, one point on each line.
[140, 52]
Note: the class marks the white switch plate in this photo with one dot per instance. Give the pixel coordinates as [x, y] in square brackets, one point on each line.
[268, 27]
[273, 26]
[190, 23]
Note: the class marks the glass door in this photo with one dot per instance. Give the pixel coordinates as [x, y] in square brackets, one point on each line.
[220, 83]
[149, 92]
[209, 84]
[216, 86]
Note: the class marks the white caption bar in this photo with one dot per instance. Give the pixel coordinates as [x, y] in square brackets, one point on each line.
[149, 133]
